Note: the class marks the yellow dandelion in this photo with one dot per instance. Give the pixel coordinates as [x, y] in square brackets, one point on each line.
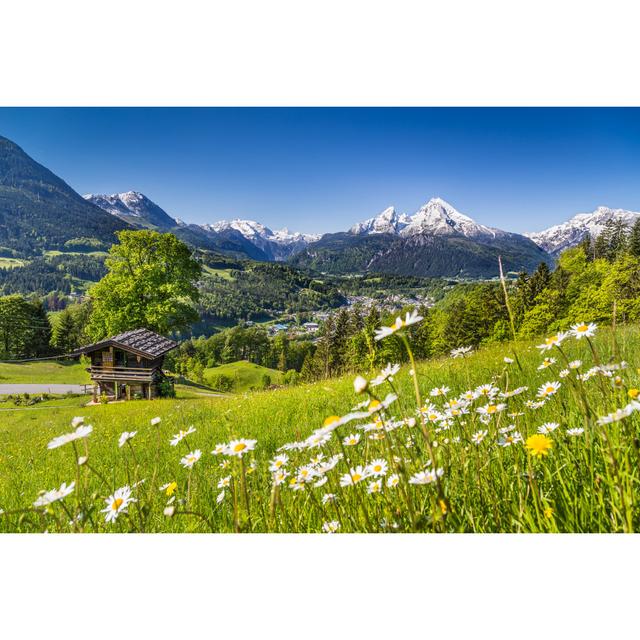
[633, 393]
[539, 445]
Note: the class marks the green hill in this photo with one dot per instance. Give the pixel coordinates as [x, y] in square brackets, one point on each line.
[71, 372]
[242, 375]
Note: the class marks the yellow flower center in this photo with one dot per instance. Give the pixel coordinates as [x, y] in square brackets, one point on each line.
[374, 404]
[241, 446]
[377, 468]
[331, 420]
[492, 408]
[582, 328]
[356, 477]
[115, 505]
[550, 389]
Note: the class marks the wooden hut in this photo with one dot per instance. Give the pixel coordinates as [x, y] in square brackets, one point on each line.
[128, 365]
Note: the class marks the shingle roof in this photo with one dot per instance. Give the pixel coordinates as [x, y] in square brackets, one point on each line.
[141, 341]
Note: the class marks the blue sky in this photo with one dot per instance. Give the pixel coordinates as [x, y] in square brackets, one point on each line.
[323, 169]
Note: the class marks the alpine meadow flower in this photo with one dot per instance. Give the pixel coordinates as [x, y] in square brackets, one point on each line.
[351, 440]
[331, 527]
[54, 495]
[353, 477]
[460, 352]
[239, 447]
[360, 384]
[125, 436]
[548, 389]
[375, 486]
[82, 431]
[191, 458]
[393, 480]
[410, 319]
[225, 482]
[386, 374]
[548, 427]
[117, 503]
[552, 341]
[155, 421]
[377, 468]
[576, 431]
[583, 330]
[279, 461]
[547, 362]
[479, 436]
[181, 435]
[169, 488]
[538, 445]
[426, 477]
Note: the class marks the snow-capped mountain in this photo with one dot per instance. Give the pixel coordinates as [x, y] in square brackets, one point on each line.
[435, 241]
[277, 245]
[436, 217]
[133, 207]
[556, 239]
[389, 221]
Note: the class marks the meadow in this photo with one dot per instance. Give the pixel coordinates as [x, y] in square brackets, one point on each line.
[520, 437]
[53, 372]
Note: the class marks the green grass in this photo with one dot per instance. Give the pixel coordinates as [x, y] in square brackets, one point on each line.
[223, 273]
[11, 263]
[586, 483]
[246, 375]
[53, 372]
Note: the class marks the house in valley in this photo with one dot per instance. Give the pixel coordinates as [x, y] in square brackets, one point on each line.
[128, 365]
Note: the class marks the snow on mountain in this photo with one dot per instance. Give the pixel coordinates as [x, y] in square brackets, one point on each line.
[134, 207]
[568, 234]
[389, 221]
[436, 217]
[440, 218]
[278, 245]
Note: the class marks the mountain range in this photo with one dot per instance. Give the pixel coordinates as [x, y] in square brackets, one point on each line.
[39, 212]
[568, 234]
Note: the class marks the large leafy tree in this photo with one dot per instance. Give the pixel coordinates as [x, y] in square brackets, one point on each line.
[24, 328]
[151, 283]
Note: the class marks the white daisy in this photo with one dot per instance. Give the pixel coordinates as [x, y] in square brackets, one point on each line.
[426, 477]
[181, 435]
[239, 447]
[461, 352]
[386, 374]
[353, 477]
[125, 436]
[548, 389]
[82, 431]
[331, 527]
[54, 495]
[351, 440]
[377, 468]
[583, 330]
[576, 431]
[548, 427]
[117, 503]
[479, 436]
[191, 458]
[410, 319]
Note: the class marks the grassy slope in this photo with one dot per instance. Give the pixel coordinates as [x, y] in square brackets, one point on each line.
[44, 372]
[245, 374]
[273, 417]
